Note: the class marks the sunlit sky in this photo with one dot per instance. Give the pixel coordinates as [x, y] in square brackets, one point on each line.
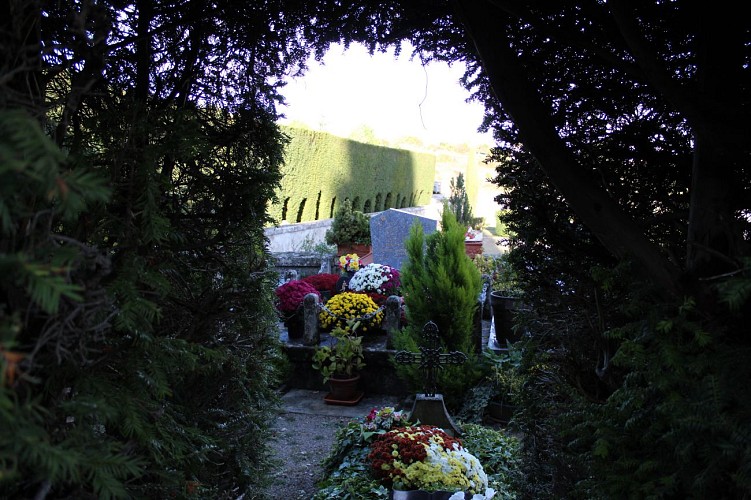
[395, 97]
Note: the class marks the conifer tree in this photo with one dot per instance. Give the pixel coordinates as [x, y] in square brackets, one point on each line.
[458, 202]
[137, 332]
[440, 284]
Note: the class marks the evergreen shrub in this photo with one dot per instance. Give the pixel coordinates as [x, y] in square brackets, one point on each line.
[347, 169]
[440, 284]
[138, 354]
[349, 227]
[458, 202]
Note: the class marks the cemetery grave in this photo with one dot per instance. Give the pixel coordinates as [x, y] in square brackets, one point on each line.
[306, 399]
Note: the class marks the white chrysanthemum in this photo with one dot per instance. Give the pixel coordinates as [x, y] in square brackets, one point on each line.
[371, 278]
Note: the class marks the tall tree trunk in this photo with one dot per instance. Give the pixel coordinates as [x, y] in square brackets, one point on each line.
[604, 217]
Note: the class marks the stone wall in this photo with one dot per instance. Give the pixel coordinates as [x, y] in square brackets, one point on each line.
[301, 264]
[296, 237]
[378, 377]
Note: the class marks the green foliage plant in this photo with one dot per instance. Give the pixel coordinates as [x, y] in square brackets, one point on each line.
[440, 284]
[137, 329]
[49, 304]
[502, 383]
[500, 273]
[680, 415]
[499, 453]
[349, 226]
[344, 358]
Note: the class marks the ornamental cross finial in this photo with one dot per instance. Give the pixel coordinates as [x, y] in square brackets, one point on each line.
[430, 357]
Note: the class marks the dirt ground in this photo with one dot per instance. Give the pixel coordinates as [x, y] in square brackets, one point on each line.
[303, 435]
[301, 442]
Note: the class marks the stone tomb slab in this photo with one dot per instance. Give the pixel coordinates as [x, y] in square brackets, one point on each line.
[390, 229]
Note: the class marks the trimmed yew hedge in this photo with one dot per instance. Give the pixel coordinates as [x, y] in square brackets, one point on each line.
[322, 170]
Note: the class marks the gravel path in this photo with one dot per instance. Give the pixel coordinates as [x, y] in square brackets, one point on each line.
[301, 443]
[303, 435]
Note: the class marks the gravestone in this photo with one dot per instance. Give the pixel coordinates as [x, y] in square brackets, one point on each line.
[390, 229]
[429, 407]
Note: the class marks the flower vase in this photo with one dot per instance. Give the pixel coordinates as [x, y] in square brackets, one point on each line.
[504, 309]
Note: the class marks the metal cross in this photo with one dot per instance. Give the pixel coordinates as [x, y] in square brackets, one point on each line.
[430, 357]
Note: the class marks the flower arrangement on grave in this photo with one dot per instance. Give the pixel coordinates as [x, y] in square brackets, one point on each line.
[350, 306]
[349, 262]
[377, 298]
[473, 235]
[377, 278]
[323, 282]
[290, 296]
[425, 458]
[384, 419]
[347, 469]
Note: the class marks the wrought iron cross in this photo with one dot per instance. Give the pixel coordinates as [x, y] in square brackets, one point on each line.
[430, 357]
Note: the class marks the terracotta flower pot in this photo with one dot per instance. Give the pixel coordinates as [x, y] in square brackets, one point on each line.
[344, 391]
[346, 248]
[473, 248]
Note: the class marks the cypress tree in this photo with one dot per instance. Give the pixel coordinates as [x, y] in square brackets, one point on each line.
[440, 284]
[458, 202]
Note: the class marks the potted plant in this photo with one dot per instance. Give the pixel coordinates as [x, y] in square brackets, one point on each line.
[350, 231]
[340, 364]
[325, 283]
[505, 299]
[290, 296]
[349, 264]
[506, 383]
[343, 309]
[376, 278]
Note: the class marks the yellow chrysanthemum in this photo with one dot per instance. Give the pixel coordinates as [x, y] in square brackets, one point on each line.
[350, 306]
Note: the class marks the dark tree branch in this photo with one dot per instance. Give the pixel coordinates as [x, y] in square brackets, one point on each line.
[509, 81]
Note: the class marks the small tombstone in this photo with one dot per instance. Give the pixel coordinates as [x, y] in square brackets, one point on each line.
[429, 407]
[392, 317]
[388, 232]
[311, 335]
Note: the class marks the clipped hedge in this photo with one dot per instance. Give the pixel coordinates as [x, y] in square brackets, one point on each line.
[322, 170]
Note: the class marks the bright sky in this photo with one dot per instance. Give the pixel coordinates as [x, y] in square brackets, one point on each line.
[394, 97]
